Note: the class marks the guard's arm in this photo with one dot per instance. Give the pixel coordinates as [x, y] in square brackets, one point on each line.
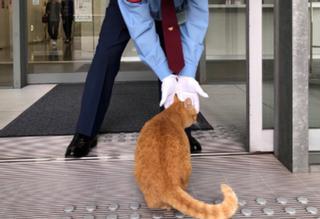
[142, 30]
[193, 33]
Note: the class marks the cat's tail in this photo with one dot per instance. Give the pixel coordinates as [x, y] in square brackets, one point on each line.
[183, 202]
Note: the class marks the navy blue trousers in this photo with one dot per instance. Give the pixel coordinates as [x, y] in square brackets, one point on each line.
[113, 39]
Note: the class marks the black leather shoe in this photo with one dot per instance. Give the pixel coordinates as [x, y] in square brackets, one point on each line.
[195, 146]
[80, 146]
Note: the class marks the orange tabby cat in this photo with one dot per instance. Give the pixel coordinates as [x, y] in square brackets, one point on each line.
[163, 165]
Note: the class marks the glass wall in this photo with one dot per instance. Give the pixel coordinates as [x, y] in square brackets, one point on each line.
[226, 65]
[6, 66]
[268, 63]
[48, 56]
[226, 42]
[314, 78]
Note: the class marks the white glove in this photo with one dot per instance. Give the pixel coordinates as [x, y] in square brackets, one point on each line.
[168, 90]
[188, 87]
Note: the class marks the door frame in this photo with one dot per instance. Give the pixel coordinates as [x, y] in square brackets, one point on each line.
[258, 138]
[262, 139]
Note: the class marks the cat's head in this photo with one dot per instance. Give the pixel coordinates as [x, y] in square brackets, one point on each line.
[187, 111]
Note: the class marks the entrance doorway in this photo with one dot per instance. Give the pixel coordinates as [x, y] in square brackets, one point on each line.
[223, 74]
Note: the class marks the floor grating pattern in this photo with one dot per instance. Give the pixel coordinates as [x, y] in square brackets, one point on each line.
[106, 188]
[223, 139]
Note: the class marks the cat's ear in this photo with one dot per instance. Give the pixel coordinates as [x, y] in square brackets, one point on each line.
[188, 103]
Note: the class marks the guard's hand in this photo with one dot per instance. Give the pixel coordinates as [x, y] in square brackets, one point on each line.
[168, 90]
[188, 87]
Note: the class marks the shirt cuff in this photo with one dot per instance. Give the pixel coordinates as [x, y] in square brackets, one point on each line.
[162, 70]
[189, 70]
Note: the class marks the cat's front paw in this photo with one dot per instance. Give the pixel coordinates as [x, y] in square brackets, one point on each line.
[166, 207]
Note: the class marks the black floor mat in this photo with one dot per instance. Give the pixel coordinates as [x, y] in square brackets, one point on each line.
[56, 113]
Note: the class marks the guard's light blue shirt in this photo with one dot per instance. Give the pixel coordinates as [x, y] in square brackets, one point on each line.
[139, 18]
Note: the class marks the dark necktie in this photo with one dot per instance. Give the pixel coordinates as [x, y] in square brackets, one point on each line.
[172, 38]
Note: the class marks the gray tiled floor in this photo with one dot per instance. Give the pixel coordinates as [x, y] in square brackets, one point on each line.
[44, 189]
[220, 140]
[226, 105]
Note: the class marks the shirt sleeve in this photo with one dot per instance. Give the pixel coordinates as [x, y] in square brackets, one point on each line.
[193, 33]
[142, 30]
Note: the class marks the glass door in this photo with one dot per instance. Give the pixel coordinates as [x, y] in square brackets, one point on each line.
[226, 69]
[57, 61]
[6, 66]
[233, 70]
[314, 77]
[48, 55]
[267, 74]
[259, 33]
[239, 65]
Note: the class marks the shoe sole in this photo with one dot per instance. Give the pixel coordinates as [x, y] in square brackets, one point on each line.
[94, 143]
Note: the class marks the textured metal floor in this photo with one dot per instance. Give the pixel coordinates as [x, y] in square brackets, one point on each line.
[223, 139]
[48, 189]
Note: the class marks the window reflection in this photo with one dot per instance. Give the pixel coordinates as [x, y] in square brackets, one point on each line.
[314, 76]
[268, 63]
[226, 65]
[6, 66]
[65, 45]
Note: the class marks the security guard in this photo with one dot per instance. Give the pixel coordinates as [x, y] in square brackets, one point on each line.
[168, 35]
